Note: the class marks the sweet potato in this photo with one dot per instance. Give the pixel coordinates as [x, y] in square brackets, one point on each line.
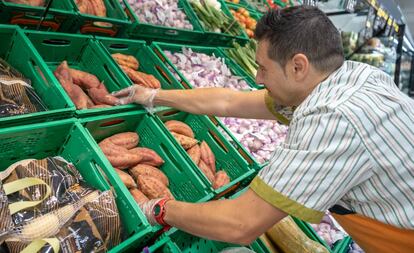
[185, 142]
[119, 156]
[152, 82]
[146, 170]
[76, 94]
[153, 188]
[80, 99]
[63, 75]
[126, 179]
[167, 194]
[28, 2]
[126, 60]
[208, 156]
[194, 153]
[220, 179]
[98, 7]
[149, 156]
[138, 196]
[109, 148]
[206, 171]
[127, 140]
[99, 96]
[83, 6]
[136, 77]
[84, 79]
[99, 106]
[179, 128]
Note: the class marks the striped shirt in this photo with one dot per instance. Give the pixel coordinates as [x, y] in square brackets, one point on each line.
[350, 143]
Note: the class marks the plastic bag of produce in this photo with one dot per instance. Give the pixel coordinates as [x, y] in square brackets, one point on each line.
[290, 239]
[68, 216]
[16, 94]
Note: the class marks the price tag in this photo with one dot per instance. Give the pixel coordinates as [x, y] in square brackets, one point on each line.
[396, 27]
[381, 12]
[374, 3]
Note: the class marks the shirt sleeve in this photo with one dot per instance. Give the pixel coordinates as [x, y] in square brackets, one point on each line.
[320, 161]
[283, 114]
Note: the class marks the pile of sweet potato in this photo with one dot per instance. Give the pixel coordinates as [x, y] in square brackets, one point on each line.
[92, 7]
[136, 166]
[85, 89]
[201, 154]
[28, 2]
[129, 64]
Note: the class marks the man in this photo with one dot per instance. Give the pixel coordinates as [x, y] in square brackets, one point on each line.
[349, 147]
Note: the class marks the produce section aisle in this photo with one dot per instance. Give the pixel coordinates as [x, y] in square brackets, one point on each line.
[73, 158]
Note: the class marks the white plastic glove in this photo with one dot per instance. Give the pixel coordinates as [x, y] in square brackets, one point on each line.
[137, 94]
[148, 209]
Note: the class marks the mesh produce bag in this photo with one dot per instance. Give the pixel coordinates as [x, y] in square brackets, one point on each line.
[71, 218]
[16, 93]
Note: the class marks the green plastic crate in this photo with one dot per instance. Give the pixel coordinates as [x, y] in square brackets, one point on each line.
[159, 47]
[262, 7]
[188, 244]
[84, 53]
[227, 158]
[17, 50]
[163, 245]
[148, 61]
[223, 39]
[67, 138]
[26, 16]
[116, 19]
[151, 32]
[184, 183]
[134, 242]
[338, 247]
[343, 245]
[253, 13]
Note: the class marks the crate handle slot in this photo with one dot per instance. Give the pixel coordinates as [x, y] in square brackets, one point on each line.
[218, 141]
[227, 191]
[214, 120]
[163, 74]
[21, 20]
[93, 28]
[245, 156]
[169, 113]
[102, 175]
[172, 33]
[112, 76]
[56, 42]
[166, 151]
[119, 46]
[36, 68]
[112, 123]
[129, 14]
[159, 54]
[185, 84]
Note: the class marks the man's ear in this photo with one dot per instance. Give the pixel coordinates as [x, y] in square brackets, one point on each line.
[299, 67]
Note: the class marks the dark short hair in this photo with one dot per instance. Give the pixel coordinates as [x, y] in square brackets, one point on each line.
[301, 29]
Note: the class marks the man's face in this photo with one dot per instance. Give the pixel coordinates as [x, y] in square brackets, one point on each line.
[279, 83]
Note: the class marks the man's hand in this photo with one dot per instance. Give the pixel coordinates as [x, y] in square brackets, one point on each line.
[136, 94]
[148, 210]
